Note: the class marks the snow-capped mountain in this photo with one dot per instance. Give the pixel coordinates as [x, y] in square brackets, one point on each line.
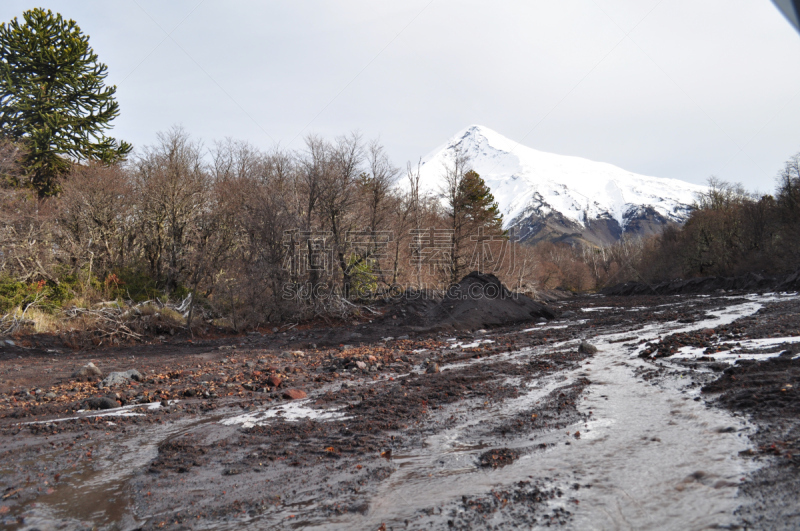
[557, 197]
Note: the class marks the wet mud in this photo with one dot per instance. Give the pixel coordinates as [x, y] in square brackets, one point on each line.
[684, 416]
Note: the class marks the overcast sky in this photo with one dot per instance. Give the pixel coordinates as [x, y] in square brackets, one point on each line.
[670, 88]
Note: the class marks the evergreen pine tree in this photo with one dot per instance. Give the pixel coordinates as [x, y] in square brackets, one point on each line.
[480, 208]
[53, 98]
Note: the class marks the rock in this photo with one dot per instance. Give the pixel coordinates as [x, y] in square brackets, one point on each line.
[372, 358]
[298, 354]
[89, 370]
[121, 378]
[274, 380]
[10, 343]
[50, 396]
[361, 365]
[101, 403]
[587, 348]
[498, 457]
[568, 314]
[294, 394]
[433, 368]
[286, 354]
[248, 386]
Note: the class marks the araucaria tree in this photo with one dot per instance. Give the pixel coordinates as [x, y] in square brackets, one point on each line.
[53, 98]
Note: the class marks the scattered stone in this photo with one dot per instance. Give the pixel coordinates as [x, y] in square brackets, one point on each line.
[101, 403]
[294, 394]
[587, 348]
[498, 457]
[361, 365]
[121, 378]
[274, 380]
[50, 396]
[90, 370]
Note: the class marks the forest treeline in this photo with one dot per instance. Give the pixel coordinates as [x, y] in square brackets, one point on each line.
[254, 237]
[263, 237]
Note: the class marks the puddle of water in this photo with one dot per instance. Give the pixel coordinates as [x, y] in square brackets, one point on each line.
[97, 496]
[741, 352]
[124, 411]
[290, 412]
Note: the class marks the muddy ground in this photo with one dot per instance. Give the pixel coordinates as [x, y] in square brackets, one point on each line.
[620, 412]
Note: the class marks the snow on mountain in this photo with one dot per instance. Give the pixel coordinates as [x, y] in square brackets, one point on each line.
[526, 182]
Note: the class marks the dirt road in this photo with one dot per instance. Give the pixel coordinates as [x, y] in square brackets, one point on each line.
[623, 412]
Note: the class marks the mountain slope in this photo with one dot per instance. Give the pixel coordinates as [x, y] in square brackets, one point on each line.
[555, 197]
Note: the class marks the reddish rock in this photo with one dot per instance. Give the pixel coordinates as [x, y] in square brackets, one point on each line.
[294, 394]
[274, 380]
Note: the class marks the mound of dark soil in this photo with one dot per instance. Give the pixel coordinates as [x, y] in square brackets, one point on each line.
[790, 283]
[480, 301]
[770, 388]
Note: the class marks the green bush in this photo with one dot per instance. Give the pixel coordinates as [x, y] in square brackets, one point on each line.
[48, 295]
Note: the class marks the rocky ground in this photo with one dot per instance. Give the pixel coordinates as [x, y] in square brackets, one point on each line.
[397, 424]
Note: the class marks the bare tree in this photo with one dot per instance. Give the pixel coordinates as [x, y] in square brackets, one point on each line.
[338, 201]
[94, 216]
[172, 187]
